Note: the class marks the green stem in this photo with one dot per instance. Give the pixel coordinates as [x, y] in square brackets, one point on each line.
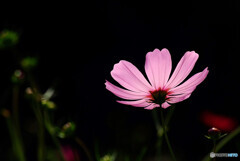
[16, 142]
[41, 137]
[50, 130]
[84, 147]
[14, 122]
[166, 136]
[160, 132]
[15, 107]
[214, 149]
[223, 142]
[40, 134]
[227, 139]
[39, 115]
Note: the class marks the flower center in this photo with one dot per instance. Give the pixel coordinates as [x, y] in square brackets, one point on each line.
[158, 96]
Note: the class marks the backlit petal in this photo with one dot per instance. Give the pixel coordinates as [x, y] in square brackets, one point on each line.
[158, 66]
[183, 69]
[152, 106]
[179, 98]
[191, 83]
[165, 105]
[138, 103]
[126, 74]
[122, 93]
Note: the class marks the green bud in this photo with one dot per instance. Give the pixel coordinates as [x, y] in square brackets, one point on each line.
[8, 39]
[67, 130]
[17, 77]
[214, 133]
[29, 63]
[48, 104]
[109, 157]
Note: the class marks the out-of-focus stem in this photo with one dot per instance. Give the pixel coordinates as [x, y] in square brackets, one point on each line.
[160, 129]
[166, 136]
[16, 142]
[14, 126]
[41, 144]
[84, 147]
[214, 149]
[15, 106]
[39, 115]
[50, 130]
[159, 133]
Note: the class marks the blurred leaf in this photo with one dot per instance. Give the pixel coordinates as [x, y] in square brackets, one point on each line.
[8, 39]
[48, 94]
[29, 63]
[109, 157]
[48, 104]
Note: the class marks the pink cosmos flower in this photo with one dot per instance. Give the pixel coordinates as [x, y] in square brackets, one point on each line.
[161, 90]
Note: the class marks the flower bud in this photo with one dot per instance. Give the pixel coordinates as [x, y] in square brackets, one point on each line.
[8, 39]
[214, 133]
[67, 130]
[17, 77]
[29, 91]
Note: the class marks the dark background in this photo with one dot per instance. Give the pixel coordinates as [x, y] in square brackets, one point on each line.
[78, 44]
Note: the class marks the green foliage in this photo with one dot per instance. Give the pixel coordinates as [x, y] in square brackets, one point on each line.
[17, 77]
[29, 63]
[8, 39]
[67, 130]
[48, 104]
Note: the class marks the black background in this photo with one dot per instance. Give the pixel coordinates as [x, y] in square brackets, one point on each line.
[78, 44]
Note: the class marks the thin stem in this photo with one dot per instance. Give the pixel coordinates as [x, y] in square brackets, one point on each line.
[166, 136]
[17, 139]
[160, 132]
[214, 149]
[15, 106]
[227, 139]
[16, 142]
[50, 130]
[41, 137]
[39, 115]
[85, 149]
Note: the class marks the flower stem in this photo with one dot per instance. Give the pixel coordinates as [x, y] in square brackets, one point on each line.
[50, 129]
[166, 136]
[214, 149]
[160, 132]
[84, 147]
[17, 138]
[41, 137]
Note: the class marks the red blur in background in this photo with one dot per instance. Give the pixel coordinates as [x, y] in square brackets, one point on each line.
[222, 122]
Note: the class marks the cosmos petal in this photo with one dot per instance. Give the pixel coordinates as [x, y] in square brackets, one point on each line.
[183, 69]
[165, 105]
[177, 99]
[130, 77]
[152, 106]
[138, 103]
[191, 83]
[158, 66]
[122, 93]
